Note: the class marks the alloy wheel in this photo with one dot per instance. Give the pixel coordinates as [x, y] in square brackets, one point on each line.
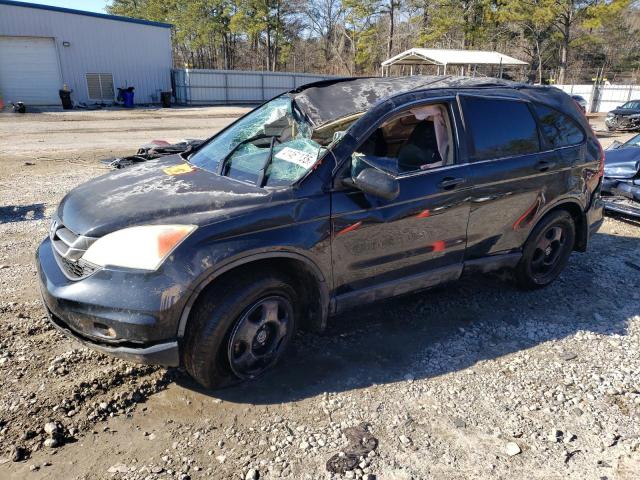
[548, 251]
[260, 336]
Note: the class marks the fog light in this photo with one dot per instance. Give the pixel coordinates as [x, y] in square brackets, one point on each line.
[102, 330]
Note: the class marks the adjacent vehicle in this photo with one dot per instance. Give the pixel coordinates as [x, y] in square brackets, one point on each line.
[326, 198]
[625, 117]
[621, 184]
[582, 103]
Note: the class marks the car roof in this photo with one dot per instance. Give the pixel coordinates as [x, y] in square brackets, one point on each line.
[329, 100]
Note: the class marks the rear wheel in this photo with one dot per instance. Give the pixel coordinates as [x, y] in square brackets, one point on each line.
[547, 251]
[239, 329]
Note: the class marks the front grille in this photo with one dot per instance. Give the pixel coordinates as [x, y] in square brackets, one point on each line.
[78, 269]
[68, 248]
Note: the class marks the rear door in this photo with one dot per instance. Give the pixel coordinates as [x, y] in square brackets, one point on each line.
[513, 176]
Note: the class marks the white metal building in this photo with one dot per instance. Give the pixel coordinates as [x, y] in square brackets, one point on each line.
[43, 47]
[443, 59]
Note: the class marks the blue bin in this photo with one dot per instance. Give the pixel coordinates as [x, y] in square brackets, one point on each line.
[127, 98]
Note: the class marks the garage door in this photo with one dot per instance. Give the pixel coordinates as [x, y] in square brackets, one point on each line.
[29, 70]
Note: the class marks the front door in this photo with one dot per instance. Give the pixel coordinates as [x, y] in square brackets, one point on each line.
[383, 248]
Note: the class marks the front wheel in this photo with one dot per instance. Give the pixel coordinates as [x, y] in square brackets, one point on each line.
[547, 251]
[239, 329]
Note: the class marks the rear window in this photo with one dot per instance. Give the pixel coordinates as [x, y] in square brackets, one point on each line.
[500, 128]
[558, 129]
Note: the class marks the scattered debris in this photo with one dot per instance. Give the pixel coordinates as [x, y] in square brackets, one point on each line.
[569, 455]
[252, 474]
[118, 468]
[19, 454]
[153, 150]
[360, 443]
[512, 448]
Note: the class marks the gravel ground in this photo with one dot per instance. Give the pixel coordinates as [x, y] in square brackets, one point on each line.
[471, 380]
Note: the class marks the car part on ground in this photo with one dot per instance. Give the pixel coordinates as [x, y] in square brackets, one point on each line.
[621, 183]
[154, 149]
[19, 107]
[625, 117]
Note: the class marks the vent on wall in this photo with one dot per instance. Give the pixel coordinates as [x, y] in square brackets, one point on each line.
[100, 86]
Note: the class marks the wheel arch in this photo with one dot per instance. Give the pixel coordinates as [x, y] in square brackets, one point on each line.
[303, 270]
[576, 210]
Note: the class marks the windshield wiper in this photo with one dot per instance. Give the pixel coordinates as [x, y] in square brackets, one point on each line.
[263, 171]
[223, 163]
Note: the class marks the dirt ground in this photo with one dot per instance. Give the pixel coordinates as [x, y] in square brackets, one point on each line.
[471, 380]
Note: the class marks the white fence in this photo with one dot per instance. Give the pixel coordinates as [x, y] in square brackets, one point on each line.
[603, 98]
[193, 87]
[210, 87]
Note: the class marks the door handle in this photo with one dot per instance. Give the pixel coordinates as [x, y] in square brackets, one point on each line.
[544, 165]
[449, 183]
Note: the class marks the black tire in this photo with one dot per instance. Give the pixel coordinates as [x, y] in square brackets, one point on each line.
[546, 251]
[218, 315]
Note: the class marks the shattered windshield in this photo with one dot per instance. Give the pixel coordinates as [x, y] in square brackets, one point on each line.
[270, 146]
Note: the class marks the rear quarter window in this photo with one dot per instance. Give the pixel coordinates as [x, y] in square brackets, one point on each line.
[558, 129]
[500, 128]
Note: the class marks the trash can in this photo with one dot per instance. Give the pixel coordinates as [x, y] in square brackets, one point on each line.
[165, 99]
[127, 98]
[126, 95]
[65, 97]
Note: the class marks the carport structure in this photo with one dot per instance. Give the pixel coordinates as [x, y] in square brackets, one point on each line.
[450, 61]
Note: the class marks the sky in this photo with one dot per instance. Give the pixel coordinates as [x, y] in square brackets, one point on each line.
[88, 5]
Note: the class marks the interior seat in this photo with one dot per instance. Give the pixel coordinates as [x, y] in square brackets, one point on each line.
[420, 149]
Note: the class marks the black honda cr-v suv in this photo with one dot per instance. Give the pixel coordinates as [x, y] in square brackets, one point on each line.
[327, 197]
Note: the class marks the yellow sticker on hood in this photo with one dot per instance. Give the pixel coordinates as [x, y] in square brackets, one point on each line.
[178, 169]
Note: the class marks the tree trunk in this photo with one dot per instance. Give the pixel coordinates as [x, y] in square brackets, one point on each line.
[539, 61]
[268, 48]
[424, 28]
[392, 7]
[567, 19]
[276, 40]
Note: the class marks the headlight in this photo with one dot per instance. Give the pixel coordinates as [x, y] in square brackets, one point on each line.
[610, 115]
[143, 247]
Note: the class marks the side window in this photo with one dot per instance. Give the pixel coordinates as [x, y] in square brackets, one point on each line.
[417, 139]
[500, 128]
[558, 129]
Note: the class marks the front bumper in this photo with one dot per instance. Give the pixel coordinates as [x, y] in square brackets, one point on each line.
[623, 196]
[116, 313]
[620, 122]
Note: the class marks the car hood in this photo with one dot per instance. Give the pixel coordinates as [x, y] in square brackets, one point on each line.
[625, 111]
[166, 190]
[622, 163]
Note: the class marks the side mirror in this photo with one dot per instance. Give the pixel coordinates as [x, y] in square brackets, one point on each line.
[377, 183]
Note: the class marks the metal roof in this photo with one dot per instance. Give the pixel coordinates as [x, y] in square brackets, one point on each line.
[104, 16]
[328, 100]
[433, 56]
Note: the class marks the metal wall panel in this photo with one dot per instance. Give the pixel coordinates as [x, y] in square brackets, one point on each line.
[234, 86]
[612, 96]
[603, 98]
[135, 54]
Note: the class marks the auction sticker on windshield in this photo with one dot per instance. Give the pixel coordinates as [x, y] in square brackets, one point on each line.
[298, 157]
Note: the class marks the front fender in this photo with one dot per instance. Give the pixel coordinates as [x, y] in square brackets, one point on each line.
[248, 257]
